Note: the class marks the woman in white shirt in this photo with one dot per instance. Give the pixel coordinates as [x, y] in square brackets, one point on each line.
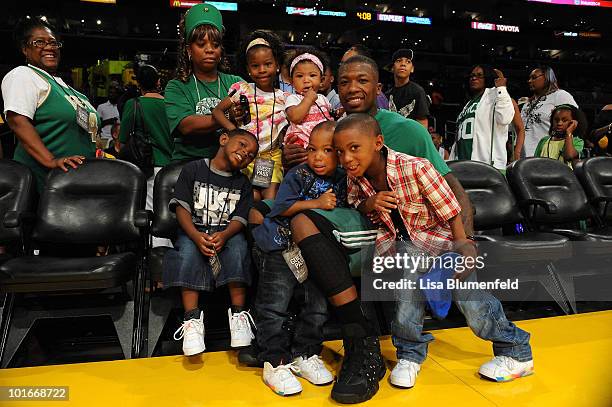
[56, 125]
[536, 112]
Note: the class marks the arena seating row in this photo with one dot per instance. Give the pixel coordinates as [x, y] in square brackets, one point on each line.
[102, 204]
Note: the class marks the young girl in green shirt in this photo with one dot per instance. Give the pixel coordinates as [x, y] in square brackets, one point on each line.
[564, 142]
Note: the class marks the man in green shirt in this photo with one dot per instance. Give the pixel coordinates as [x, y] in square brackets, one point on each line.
[358, 87]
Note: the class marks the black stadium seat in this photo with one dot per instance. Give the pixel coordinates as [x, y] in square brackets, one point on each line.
[526, 255]
[164, 225]
[553, 200]
[595, 175]
[17, 196]
[99, 204]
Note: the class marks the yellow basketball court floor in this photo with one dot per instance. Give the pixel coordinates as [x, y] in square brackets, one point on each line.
[572, 356]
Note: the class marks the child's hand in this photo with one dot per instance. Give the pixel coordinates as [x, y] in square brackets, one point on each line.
[327, 200]
[384, 201]
[204, 243]
[374, 217]
[218, 240]
[571, 128]
[467, 249]
[310, 95]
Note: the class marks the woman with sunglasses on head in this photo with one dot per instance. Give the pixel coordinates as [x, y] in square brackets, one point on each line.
[55, 125]
[199, 85]
[536, 112]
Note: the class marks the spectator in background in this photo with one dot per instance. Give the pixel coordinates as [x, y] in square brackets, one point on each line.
[152, 114]
[482, 125]
[536, 111]
[109, 114]
[442, 114]
[407, 97]
[114, 147]
[437, 138]
[284, 77]
[564, 141]
[42, 110]
[326, 88]
[381, 100]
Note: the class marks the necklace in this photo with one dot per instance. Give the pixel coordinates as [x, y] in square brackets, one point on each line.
[206, 88]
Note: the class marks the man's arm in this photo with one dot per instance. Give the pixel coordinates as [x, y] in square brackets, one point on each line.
[467, 213]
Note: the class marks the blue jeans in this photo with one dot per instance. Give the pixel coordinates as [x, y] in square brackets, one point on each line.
[484, 315]
[276, 288]
[185, 266]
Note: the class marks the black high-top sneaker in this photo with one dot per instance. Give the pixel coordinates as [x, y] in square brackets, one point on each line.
[362, 368]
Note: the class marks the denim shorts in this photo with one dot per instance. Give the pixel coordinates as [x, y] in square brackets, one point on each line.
[185, 266]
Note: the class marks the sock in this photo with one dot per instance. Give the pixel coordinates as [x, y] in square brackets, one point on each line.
[193, 314]
[237, 309]
[351, 313]
[327, 264]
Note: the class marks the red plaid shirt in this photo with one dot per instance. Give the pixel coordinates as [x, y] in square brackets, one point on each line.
[425, 203]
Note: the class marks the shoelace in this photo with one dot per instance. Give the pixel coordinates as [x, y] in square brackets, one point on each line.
[314, 362]
[192, 323]
[243, 319]
[504, 361]
[285, 369]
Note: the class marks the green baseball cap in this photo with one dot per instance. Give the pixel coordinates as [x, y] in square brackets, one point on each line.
[201, 14]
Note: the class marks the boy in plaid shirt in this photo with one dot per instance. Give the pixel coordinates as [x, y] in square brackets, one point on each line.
[411, 201]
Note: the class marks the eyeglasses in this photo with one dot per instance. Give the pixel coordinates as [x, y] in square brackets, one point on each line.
[43, 44]
[534, 77]
[476, 76]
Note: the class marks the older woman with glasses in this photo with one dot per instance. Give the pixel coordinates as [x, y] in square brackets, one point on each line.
[536, 112]
[55, 125]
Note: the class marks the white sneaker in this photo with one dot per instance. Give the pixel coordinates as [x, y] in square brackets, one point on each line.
[505, 369]
[313, 369]
[240, 328]
[404, 373]
[192, 334]
[281, 379]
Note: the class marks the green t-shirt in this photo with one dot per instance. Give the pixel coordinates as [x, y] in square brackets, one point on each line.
[156, 123]
[554, 148]
[56, 123]
[409, 137]
[195, 97]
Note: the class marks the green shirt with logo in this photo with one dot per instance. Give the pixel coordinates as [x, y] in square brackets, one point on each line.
[55, 121]
[465, 129]
[183, 99]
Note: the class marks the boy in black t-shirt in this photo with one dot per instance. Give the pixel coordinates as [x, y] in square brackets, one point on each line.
[407, 98]
[212, 200]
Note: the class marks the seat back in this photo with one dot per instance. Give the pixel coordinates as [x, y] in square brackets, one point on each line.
[551, 181]
[489, 193]
[97, 203]
[595, 175]
[17, 195]
[164, 220]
